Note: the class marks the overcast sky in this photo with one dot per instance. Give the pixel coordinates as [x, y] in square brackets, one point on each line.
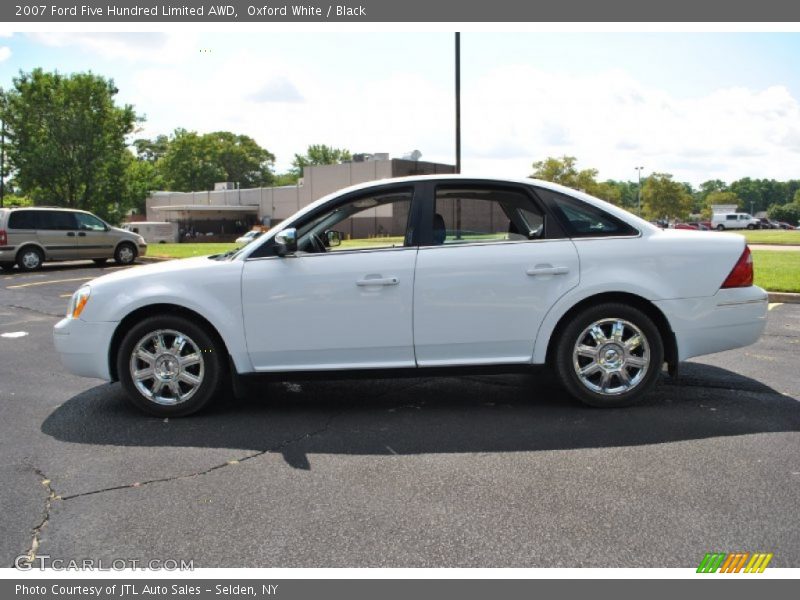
[700, 106]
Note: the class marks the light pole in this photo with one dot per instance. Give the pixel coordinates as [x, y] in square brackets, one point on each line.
[458, 102]
[639, 190]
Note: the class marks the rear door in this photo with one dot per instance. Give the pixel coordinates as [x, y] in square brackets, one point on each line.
[56, 231]
[488, 275]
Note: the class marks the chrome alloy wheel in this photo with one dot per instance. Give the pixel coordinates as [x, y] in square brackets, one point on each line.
[611, 356]
[31, 259]
[167, 367]
[126, 254]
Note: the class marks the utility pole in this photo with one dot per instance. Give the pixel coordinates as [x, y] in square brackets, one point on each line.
[2, 146]
[639, 190]
[458, 102]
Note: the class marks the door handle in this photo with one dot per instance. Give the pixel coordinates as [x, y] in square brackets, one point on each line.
[70, 234]
[378, 281]
[547, 270]
[82, 234]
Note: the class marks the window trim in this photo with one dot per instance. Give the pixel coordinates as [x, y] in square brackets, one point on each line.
[552, 228]
[267, 249]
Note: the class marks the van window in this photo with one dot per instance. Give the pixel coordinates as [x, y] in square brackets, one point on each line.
[730, 217]
[56, 220]
[23, 219]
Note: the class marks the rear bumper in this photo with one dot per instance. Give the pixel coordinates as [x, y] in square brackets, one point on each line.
[732, 318]
[83, 347]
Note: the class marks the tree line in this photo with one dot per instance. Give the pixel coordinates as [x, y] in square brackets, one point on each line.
[65, 143]
[662, 197]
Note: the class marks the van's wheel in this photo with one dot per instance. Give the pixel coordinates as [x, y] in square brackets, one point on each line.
[169, 366]
[751, 226]
[609, 355]
[6, 266]
[30, 258]
[125, 253]
[720, 227]
[100, 262]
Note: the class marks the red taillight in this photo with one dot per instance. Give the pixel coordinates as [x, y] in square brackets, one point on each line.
[742, 274]
[3, 237]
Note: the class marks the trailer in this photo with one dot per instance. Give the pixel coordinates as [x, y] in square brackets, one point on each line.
[155, 232]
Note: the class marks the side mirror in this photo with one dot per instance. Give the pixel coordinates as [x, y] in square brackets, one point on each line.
[334, 238]
[286, 242]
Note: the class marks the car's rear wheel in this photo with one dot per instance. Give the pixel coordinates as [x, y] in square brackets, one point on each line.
[720, 227]
[30, 258]
[609, 355]
[169, 366]
[125, 253]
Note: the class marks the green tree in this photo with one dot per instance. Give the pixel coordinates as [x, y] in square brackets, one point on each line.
[663, 198]
[66, 140]
[193, 162]
[141, 178]
[788, 213]
[564, 172]
[151, 150]
[319, 154]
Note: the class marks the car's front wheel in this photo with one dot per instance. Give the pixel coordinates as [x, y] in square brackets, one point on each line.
[609, 355]
[125, 254]
[169, 366]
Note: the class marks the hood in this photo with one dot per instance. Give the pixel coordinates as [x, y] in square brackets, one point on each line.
[159, 269]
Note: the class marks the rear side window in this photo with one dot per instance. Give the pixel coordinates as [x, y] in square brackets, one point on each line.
[584, 220]
[23, 219]
[56, 219]
[730, 218]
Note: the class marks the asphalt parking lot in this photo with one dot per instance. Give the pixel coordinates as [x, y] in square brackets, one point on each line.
[433, 472]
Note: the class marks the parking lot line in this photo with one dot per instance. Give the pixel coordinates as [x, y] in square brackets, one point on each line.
[34, 283]
[772, 305]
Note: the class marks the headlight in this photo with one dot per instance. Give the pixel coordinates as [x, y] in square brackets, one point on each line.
[141, 241]
[78, 302]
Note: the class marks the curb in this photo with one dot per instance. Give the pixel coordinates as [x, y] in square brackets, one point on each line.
[152, 259]
[784, 297]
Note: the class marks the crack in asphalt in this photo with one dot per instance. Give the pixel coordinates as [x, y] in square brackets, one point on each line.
[277, 448]
[34, 310]
[30, 555]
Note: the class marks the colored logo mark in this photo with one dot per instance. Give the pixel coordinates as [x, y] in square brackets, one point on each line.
[734, 562]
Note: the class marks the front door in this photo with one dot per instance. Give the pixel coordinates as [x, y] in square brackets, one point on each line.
[489, 277]
[94, 238]
[344, 299]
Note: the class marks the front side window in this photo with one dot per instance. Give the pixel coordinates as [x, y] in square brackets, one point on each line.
[371, 222]
[477, 214]
[585, 220]
[89, 222]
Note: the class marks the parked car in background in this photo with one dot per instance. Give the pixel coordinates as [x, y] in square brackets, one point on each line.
[155, 232]
[687, 226]
[784, 225]
[32, 236]
[699, 225]
[768, 223]
[249, 236]
[423, 274]
[722, 221]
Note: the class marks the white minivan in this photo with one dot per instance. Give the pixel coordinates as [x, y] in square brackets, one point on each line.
[723, 221]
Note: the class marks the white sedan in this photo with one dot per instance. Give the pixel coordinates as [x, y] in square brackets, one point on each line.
[433, 274]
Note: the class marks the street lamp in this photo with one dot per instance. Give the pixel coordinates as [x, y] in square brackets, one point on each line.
[639, 190]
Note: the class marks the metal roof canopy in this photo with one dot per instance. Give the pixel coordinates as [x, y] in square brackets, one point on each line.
[207, 208]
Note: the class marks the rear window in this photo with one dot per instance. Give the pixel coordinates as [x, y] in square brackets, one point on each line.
[584, 220]
[22, 219]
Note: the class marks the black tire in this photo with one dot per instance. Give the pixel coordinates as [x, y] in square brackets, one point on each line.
[614, 358]
[6, 266]
[125, 254]
[30, 258]
[751, 227]
[100, 262]
[211, 370]
[720, 227]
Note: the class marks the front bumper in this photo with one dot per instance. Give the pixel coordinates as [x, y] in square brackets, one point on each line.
[732, 318]
[142, 249]
[83, 347]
